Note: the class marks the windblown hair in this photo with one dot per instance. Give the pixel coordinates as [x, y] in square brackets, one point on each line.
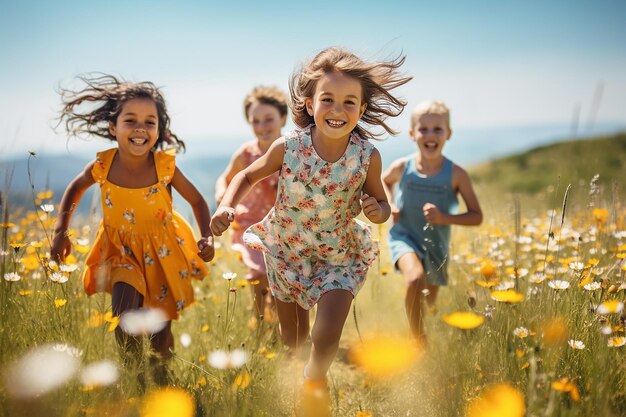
[376, 79]
[266, 95]
[430, 107]
[90, 111]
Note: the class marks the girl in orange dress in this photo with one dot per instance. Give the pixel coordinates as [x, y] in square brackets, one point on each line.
[265, 109]
[145, 254]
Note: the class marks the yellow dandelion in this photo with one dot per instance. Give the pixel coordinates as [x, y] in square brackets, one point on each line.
[242, 380]
[7, 225]
[384, 356]
[616, 341]
[168, 402]
[600, 214]
[59, 302]
[486, 284]
[610, 307]
[17, 246]
[95, 319]
[566, 385]
[363, 414]
[242, 284]
[500, 400]
[25, 292]
[488, 269]
[205, 328]
[464, 319]
[585, 281]
[507, 296]
[30, 262]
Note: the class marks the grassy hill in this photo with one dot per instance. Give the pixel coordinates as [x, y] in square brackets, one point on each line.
[537, 172]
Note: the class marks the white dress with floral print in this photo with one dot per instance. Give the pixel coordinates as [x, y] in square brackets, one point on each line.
[312, 242]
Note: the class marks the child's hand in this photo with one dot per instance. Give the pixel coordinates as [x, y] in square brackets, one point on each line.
[205, 246]
[433, 214]
[371, 208]
[395, 213]
[61, 247]
[222, 219]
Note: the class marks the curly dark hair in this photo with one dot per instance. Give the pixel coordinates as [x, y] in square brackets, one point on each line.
[105, 96]
[376, 78]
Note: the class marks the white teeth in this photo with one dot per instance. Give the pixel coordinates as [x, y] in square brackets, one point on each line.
[138, 141]
[336, 123]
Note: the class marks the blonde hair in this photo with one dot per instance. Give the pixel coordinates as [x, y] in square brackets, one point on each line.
[430, 107]
[266, 95]
[376, 79]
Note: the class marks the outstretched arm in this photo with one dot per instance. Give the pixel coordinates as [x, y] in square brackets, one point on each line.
[391, 177]
[243, 181]
[374, 198]
[61, 245]
[200, 210]
[235, 165]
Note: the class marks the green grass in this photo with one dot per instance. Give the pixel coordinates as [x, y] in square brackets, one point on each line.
[456, 368]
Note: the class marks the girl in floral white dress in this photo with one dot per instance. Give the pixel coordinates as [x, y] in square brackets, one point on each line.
[316, 252]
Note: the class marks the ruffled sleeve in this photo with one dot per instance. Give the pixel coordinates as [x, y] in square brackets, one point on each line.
[165, 162]
[100, 170]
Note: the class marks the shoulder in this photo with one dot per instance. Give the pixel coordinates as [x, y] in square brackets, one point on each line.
[459, 174]
[165, 162]
[99, 168]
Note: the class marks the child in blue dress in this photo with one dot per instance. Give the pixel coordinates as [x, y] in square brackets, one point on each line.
[424, 207]
[316, 252]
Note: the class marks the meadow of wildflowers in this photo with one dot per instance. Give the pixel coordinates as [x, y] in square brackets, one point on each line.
[532, 324]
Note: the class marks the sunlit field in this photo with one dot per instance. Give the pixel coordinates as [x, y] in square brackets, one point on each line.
[532, 324]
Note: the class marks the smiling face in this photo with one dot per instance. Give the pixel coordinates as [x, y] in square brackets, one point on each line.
[336, 105]
[266, 122]
[137, 127]
[431, 131]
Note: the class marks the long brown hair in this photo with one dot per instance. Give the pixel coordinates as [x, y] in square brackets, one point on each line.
[104, 96]
[376, 79]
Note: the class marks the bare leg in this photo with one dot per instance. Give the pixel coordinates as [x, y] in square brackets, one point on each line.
[294, 323]
[262, 296]
[332, 311]
[125, 297]
[162, 344]
[413, 271]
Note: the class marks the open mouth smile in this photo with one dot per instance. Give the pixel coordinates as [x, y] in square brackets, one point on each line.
[335, 123]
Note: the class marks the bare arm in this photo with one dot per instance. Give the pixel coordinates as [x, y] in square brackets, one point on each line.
[61, 245]
[391, 177]
[374, 201]
[200, 210]
[462, 183]
[235, 165]
[243, 181]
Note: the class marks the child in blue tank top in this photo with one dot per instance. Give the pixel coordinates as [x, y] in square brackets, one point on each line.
[424, 206]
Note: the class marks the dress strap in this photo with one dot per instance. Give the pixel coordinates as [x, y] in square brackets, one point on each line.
[100, 170]
[165, 162]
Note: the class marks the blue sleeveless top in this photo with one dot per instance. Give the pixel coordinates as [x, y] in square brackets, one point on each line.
[412, 233]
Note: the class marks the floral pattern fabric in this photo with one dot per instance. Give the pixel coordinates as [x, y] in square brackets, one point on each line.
[312, 242]
[142, 241]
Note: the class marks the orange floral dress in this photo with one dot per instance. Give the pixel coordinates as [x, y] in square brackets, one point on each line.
[142, 241]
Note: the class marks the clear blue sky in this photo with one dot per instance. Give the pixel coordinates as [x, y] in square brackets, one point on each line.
[496, 63]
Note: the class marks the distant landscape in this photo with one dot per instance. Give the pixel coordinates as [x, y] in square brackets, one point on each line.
[529, 172]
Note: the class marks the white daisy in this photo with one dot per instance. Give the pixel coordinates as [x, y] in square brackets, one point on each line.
[558, 284]
[576, 344]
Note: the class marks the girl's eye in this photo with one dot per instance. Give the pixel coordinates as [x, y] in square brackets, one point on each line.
[151, 123]
[350, 102]
[327, 100]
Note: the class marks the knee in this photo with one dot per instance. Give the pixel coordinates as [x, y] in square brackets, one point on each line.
[327, 339]
[294, 338]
